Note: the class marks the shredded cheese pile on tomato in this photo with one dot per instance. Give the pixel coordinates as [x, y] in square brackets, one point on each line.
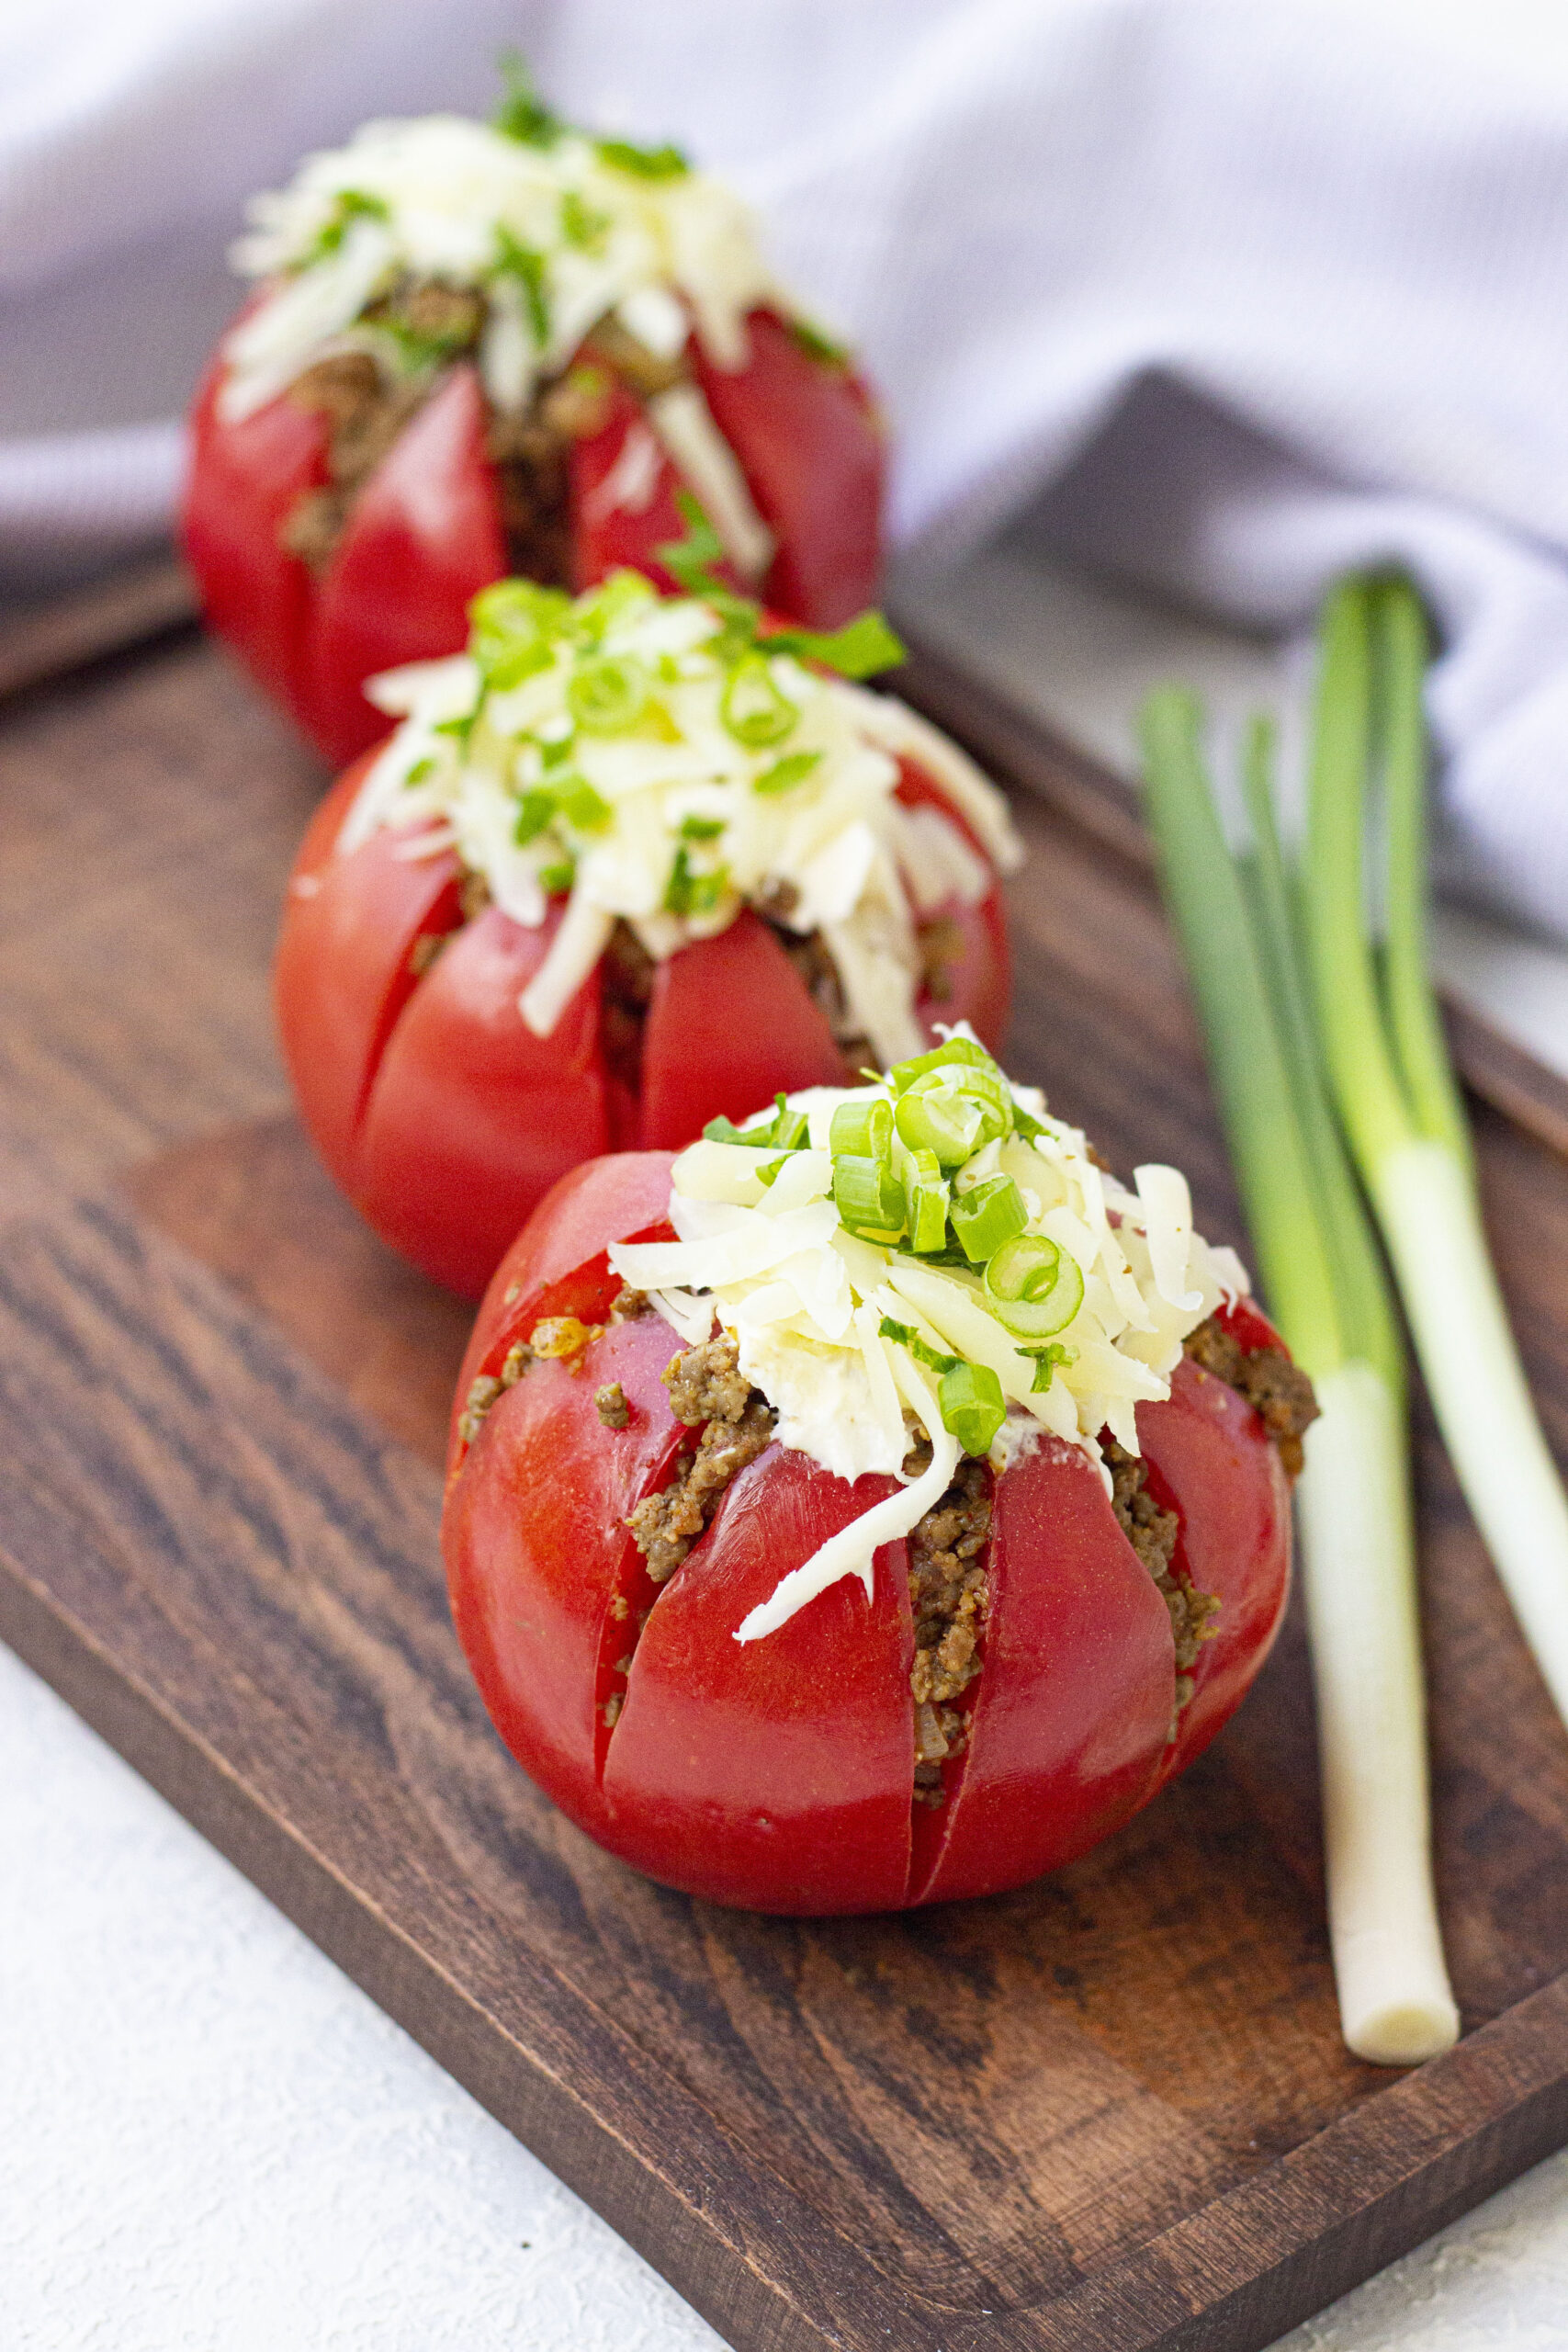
[657, 761]
[938, 1247]
[555, 229]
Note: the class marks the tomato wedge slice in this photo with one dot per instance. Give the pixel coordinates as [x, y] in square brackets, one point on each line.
[556, 1265]
[1072, 1707]
[423, 537]
[344, 968]
[812, 453]
[730, 1022]
[469, 1107]
[537, 1550]
[773, 1774]
[243, 481]
[623, 490]
[1211, 1460]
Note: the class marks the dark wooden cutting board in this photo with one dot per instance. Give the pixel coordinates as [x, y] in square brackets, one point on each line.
[1111, 2111]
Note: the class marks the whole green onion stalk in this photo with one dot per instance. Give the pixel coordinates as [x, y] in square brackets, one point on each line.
[1329, 1297]
[1392, 1081]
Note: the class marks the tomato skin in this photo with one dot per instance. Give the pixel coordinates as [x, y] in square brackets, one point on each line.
[469, 1113]
[1072, 1707]
[423, 537]
[810, 448]
[537, 1548]
[243, 482]
[773, 1774]
[557, 1266]
[977, 982]
[1210, 1460]
[778, 1774]
[608, 531]
[342, 972]
[440, 1113]
[729, 1025]
[425, 533]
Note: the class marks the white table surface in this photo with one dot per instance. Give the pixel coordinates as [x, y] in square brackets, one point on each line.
[210, 2140]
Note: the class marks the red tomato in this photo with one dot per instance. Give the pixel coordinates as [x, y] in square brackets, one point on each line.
[440, 1115]
[425, 530]
[779, 1774]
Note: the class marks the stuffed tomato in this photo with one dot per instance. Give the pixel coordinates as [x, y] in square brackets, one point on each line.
[872, 1506]
[629, 864]
[482, 349]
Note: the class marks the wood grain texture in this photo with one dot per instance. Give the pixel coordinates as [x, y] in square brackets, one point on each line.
[1110, 2110]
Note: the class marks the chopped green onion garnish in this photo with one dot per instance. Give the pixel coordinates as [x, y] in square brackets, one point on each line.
[580, 224]
[1032, 1287]
[560, 877]
[946, 1124]
[1046, 1361]
[970, 1394]
[868, 1196]
[859, 650]
[973, 1406]
[535, 811]
[701, 828]
[690, 560]
[528, 267]
[522, 114]
[609, 695]
[863, 1128]
[787, 1129]
[664, 163]
[990, 1213]
[686, 893]
[752, 707]
[817, 346]
[417, 773]
[925, 1202]
[581, 806]
[785, 774]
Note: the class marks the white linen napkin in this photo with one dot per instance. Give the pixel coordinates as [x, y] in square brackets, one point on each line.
[1230, 296]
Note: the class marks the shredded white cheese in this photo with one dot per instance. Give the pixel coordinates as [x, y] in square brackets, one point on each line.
[556, 236]
[763, 1252]
[679, 817]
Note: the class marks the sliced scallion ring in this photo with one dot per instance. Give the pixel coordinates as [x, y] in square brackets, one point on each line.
[1032, 1287]
[752, 707]
[608, 696]
[949, 1126]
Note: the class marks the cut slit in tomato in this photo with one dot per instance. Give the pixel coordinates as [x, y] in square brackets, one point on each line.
[558, 1265]
[423, 537]
[543, 1501]
[346, 965]
[730, 1022]
[738, 1768]
[622, 489]
[809, 444]
[244, 480]
[469, 1113]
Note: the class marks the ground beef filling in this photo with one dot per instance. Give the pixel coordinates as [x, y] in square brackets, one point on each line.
[1152, 1533]
[948, 1599]
[366, 409]
[708, 1390]
[1278, 1389]
[563, 1336]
